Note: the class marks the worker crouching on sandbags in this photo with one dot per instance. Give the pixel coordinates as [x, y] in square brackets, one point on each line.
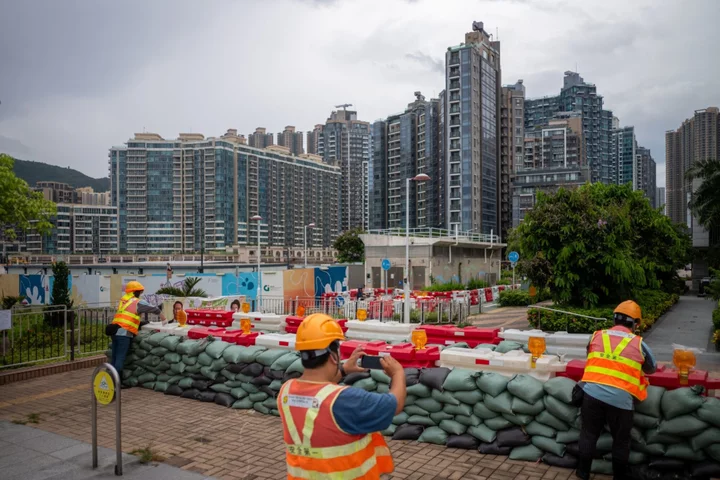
[614, 374]
[331, 431]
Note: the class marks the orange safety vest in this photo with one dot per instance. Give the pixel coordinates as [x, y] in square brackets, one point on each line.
[320, 449]
[127, 316]
[615, 359]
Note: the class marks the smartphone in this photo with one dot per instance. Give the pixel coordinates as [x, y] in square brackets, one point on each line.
[371, 361]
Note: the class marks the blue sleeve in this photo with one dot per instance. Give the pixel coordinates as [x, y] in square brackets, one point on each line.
[650, 364]
[144, 307]
[359, 412]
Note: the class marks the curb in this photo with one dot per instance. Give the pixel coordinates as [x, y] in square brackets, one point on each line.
[51, 369]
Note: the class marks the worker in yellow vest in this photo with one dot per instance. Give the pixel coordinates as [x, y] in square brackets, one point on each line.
[127, 322]
[331, 431]
[614, 376]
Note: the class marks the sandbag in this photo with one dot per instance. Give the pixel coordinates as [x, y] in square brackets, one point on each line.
[706, 470]
[435, 435]
[706, 438]
[216, 348]
[602, 467]
[548, 445]
[192, 348]
[440, 416]
[421, 420]
[485, 346]
[258, 397]
[259, 407]
[492, 383]
[526, 388]
[525, 408]
[651, 405]
[220, 388]
[175, 379]
[470, 397]
[445, 397]
[276, 375]
[570, 436]
[558, 409]
[482, 433]
[224, 399]
[209, 373]
[713, 451]
[275, 385]
[412, 376]
[512, 437]
[604, 442]
[160, 386]
[156, 338]
[147, 377]
[535, 428]
[367, 384]
[565, 461]
[269, 356]
[243, 404]
[249, 387]
[560, 388]
[252, 370]
[415, 410]
[494, 449]
[201, 384]
[191, 393]
[250, 354]
[518, 419]
[481, 411]
[400, 418]
[270, 403]
[148, 385]
[174, 390]
[508, 346]
[681, 401]
[295, 367]
[419, 390]
[260, 381]
[465, 441]
[528, 453]
[683, 451]
[163, 366]
[172, 357]
[238, 393]
[654, 436]
[434, 377]
[653, 449]
[185, 383]
[460, 380]
[232, 353]
[645, 422]
[546, 418]
[461, 409]
[204, 359]
[408, 432]
[163, 377]
[159, 351]
[390, 431]
[500, 404]
[710, 411]
[498, 423]
[468, 421]
[192, 369]
[429, 404]
[188, 360]
[682, 426]
[171, 342]
[572, 449]
[351, 378]
[453, 427]
[383, 388]
[219, 365]
[236, 368]
[379, 376]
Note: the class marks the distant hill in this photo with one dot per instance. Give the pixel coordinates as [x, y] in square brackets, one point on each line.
[33, 172]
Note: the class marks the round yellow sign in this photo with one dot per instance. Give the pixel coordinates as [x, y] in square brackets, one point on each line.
[533, 291]
[362, 314]
[104, 388]
[245, 307]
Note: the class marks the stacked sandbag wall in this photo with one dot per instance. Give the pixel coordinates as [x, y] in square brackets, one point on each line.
[520, 416]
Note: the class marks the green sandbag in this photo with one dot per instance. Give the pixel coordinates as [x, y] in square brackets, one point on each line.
[446, 398]
[713, 451]
[560, 388]
[429, 404]
[163, 366]
[471, 398]
[410, 400]
[163, 377]
[235, 383]
[492, 383]
[604, 442]
[243, 378]
[145, 346]
[220, 388]
[185, 383]
[275, 385]
[482, 433]
[635, 458]
[415, 410]
[683, 451]
[453, 427]
[159, 351]
[645, 422]
[258, 397]
[499, 404]
[367, 384]
[485, 346]
[192, 348]
[498, 423]
[193, 369]
[546, 418]
[275, 412]
[172, 357]
[138, 371]
[400, 418]
[460, 380]
[140, 353]
[704, 439]
[259, 407]
[151, 361]
[390, 431]
[682, 426]
[156, 338]
[149, 385]
[147, 377]
[654, 449]
[243, 404]
[481, 411]
[681, 401]
[419, 390]
[174, 379]
[440, 416]
[218, 365]
[232, 353]
[548, 445]
[526, 388]
[131, 382]
[379, 376]
[250, 354]
[249, 387]
[518, 419]
[528, 453]
[421, 420]
[205, 360]
[238, 393]
[461, 409]
[216, 348]
[383, 388]
[270, 403]
[269, 356]
[171, 342]
[535, 428]
[295, 367]
[521, 406]
[227, 374]
[571, 436]
[710, 411]
[435, 435]
[468, 421]
[602, 467]
[188, 360]
[654, 436]
[566, 413]
[508, 346]
[209, 373]
[651, 405]
[161, 386]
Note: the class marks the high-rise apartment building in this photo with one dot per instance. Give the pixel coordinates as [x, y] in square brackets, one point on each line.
[577, 95]
[660, 199]
[647, 181]
[196, 193]
[57, 192]
[77, 228]
[512, 148]
[313, 137]
[623, 147]
[345, 143]
[260, 139]
[87, 196]
[472, 86]
[291, 140]
[406, 145]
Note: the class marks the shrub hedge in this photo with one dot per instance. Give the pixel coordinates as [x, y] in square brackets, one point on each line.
[514, 298]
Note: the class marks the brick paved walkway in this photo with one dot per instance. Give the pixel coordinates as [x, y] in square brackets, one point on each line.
[221, 442]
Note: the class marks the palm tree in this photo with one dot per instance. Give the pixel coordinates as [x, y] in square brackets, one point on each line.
[705, 201]
[188, 289]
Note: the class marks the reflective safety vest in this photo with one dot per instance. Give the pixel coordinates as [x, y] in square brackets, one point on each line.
[127, 316]
[320, 449]
[615, 359]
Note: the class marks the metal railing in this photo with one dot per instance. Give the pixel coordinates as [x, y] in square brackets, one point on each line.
[570, 315]
[438, 233]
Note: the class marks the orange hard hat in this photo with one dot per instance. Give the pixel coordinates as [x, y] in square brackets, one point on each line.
[317, 332]
[630, 309]
[134, 287]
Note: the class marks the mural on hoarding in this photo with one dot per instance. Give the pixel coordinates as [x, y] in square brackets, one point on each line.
[172, 305]
[330, 280]
[245, 284]
[273, 284]
[210, 283]
[9, 285]
[35, 288]
[90, 290]
[299, 282]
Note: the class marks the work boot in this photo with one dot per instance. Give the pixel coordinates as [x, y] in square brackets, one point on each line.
[583, 468]
[620, 470]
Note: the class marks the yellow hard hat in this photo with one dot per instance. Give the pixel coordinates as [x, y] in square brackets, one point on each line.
[630, 309]
[317, 332]
[134, 287]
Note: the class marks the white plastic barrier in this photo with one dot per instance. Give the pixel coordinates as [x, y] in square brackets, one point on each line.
[262, 322]
[570, 345]
[393, 332]
[172, 328]
[508, 364]
[285, 341]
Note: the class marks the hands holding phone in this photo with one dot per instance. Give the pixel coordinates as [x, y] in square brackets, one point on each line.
[390, 366]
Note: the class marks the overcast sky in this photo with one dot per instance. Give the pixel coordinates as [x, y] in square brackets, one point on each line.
[77, 77]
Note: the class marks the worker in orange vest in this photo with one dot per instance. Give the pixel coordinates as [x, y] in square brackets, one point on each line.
[331, 431]
[614, 375]
[127, 322]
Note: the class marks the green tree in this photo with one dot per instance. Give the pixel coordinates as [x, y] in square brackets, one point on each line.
[350, 247]
[188, 289]
[599, 244]
[20, 208]
[61, 285]
[705, 201]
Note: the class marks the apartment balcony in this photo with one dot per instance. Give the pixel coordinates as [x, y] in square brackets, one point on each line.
[454, 145]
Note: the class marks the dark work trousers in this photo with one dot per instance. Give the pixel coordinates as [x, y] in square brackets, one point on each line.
[595, 414]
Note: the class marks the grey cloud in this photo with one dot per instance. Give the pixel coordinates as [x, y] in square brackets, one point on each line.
[427, 61]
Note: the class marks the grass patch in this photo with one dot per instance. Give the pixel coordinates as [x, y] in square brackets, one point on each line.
[147, 455]
[19, 422]
[34, 418]
[201, 439]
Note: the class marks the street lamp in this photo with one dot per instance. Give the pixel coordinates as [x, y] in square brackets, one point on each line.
[406, 283]
[258, 218]
[310, 225]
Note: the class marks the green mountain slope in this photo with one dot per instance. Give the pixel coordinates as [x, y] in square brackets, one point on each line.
[33, 172]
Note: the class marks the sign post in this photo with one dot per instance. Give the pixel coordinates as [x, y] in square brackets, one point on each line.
[513, 257]
[105, 389]
[386, 266]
